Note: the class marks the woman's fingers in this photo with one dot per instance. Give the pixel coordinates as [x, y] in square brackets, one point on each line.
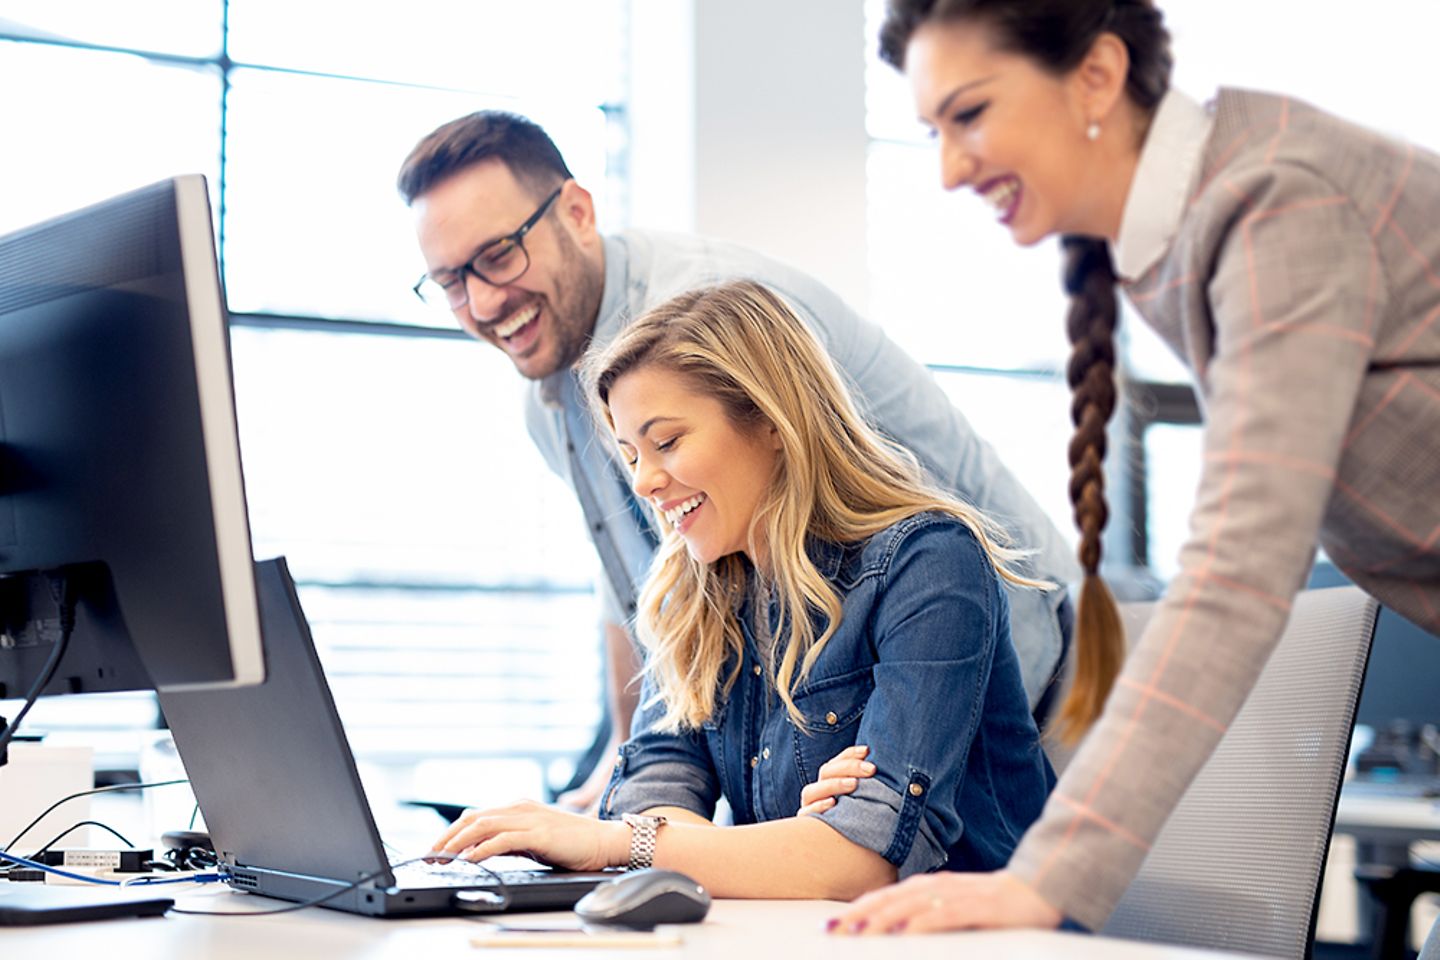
[513, 841]
[477, 830]
[472, 825]
[947, 901]
[819, 806]
[849, 762]
[890, 909]
[858, 752]
[459, 823]
[845, 767]
[836, 777]
[827, 789]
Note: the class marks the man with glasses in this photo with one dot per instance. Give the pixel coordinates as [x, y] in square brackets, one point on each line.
[512, 249]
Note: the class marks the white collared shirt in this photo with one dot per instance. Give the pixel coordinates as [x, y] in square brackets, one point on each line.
[1164, 181]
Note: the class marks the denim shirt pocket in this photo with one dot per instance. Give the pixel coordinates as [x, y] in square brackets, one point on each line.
[832, 709]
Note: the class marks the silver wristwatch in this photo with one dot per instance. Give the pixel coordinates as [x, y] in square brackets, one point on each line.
[642, 839]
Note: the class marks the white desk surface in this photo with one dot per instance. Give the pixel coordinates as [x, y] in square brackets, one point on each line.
[1388, 818]
[761, 929]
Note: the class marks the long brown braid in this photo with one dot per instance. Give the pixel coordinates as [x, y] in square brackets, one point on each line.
[1099, 638]
[1056, 35]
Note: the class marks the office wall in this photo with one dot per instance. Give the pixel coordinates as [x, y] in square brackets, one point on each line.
[748, 123]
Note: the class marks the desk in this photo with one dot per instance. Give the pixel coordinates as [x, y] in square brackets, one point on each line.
[1387, 822]
[1384, 829]
[762, 928]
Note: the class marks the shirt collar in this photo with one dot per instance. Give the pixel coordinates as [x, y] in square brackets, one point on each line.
[1164, 180]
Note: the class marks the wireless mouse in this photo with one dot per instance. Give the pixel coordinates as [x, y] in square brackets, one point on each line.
[641, 899]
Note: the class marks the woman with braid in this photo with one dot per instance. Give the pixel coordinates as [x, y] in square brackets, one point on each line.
[1290, 259]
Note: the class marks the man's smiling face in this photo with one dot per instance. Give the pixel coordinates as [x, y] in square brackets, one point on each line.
[542, 319]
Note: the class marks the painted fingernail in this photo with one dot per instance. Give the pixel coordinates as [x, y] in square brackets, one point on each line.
[859, 926]
[831, 924]
[898, 926]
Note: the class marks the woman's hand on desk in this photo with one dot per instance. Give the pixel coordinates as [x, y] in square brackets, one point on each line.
[532, 829]
[837, 777]
[948, 901]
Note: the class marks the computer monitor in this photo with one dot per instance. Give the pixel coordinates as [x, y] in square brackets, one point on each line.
[1404, 662]
[122, 507]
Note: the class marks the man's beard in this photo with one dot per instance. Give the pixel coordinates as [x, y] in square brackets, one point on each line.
[577, 306]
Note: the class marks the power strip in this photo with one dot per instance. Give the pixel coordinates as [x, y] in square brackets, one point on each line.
[120, 861]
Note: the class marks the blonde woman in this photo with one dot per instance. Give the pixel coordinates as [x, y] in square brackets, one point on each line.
[812, 593]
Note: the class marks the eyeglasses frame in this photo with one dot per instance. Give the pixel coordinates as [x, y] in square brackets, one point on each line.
[517, 237]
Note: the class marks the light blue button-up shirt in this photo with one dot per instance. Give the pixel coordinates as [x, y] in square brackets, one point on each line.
[898, 395]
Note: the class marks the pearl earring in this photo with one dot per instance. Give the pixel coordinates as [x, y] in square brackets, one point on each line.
[1092, 132]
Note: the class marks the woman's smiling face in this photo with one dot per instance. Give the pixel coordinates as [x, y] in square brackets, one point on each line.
[1016, 133]
[701, 471]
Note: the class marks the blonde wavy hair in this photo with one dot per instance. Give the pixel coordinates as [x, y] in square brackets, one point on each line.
[836, 480]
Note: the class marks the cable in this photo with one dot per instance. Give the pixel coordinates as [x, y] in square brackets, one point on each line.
[85, 793]
[210, 878]
[499, 881]
[66, 601]
[83, 823]
[186, 858]
[149, 881]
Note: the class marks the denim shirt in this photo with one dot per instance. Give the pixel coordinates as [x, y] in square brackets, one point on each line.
[920, 669]
[897, 394]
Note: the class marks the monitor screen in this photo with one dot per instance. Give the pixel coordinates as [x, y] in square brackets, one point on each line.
[1404, 662]
[122, 507]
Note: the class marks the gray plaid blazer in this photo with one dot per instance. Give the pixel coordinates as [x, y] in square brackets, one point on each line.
[1303, 290]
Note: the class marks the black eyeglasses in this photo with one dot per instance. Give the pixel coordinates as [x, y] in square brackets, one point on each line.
[501, 261]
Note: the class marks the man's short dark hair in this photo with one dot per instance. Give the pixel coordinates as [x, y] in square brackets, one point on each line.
[514, 140]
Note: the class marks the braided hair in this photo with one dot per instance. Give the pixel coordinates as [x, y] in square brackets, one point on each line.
[1089, 279]
[1056, 35]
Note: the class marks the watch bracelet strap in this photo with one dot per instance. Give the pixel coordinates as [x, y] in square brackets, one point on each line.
[642, 843]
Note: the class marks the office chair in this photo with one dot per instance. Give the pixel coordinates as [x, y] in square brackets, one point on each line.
[1239, 862]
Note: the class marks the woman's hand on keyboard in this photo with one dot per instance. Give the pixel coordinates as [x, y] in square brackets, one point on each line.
[532, 829]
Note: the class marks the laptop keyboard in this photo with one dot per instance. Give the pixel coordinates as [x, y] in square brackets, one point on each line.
[457, 873]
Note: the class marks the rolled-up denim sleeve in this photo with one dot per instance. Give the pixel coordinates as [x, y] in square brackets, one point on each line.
[936, 626]
[660, 769]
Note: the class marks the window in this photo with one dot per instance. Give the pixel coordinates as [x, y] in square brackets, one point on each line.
[985, 315]
[445, 572]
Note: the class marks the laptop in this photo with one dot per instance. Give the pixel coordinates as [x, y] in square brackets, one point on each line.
[274, 775]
